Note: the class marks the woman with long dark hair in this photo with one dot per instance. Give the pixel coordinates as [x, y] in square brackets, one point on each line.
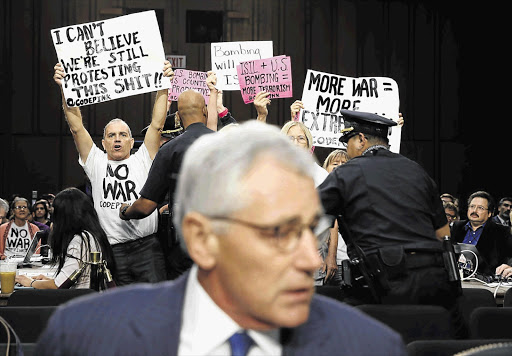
[76, 231]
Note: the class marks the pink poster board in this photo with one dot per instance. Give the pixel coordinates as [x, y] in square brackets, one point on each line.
[273, 75]
[188, 79]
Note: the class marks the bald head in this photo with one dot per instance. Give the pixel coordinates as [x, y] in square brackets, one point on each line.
[191, 107]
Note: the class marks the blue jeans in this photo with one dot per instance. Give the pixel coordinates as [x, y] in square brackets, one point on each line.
[140, 260]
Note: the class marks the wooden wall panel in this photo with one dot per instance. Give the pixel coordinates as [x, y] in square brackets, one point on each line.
[73, 174]
[48, 104]
[449, 83]
[22, 15]
[34, 165]
[346, 44]
[418, 43]
[424, 74]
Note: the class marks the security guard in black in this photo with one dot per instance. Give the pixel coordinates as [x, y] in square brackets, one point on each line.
[393, 211]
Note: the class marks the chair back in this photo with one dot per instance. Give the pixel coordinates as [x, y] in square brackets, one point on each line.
[446, 347]
[490, 323]
[27, 322]
[27, 348]
[333, 292]
[413, 322]
[473, 298]
[507, 298]
[45, 297]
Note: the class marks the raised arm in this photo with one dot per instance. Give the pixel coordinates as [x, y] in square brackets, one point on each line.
[295, 108]
[211, 81]
[152, 137]
[261, 102]
[81, 136]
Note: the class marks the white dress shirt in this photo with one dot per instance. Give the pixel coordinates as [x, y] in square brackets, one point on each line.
[205, 328]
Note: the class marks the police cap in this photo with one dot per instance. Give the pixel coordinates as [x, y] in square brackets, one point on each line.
[172, 127]
[364, 122]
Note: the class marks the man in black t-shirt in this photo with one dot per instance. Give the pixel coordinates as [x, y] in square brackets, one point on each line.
[166, 166]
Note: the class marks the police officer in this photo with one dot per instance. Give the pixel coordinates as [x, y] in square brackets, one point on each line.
[164, 172]
[392, 210]
[172, 128]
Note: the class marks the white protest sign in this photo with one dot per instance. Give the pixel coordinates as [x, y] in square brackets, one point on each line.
[324, 94]
[110, 59]
[227, 55]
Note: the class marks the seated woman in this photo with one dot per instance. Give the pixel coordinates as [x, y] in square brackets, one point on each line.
[17, 234]
[76, 231]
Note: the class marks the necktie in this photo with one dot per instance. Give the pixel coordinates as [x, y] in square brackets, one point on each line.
[240, 343]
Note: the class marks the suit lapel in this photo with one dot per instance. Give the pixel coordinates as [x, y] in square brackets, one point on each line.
[163, 316]
[309, 337]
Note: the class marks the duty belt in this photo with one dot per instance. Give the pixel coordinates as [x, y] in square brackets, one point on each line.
[415, 259]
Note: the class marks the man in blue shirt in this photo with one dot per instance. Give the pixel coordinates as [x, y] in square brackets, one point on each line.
[492, 240]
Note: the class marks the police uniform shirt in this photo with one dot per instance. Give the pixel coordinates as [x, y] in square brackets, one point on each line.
[385, 199]
[167, 163]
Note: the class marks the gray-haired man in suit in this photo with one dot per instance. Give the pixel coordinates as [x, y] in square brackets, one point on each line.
[249, 213]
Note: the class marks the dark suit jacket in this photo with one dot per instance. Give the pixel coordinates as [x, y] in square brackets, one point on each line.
[146, 319]
[494, 245]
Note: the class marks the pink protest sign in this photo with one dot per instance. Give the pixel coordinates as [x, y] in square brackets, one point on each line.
[188, 79]
[273, 75]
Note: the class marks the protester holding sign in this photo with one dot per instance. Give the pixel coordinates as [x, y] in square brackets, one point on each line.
[116, 177]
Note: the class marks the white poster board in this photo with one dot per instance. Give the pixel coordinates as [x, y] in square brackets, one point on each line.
[110, 59]
[324, 94]
[226, 56]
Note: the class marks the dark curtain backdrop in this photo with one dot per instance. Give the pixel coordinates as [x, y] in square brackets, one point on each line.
[448, 59]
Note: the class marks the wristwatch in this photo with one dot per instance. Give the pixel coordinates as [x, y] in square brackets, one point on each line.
[123, 211]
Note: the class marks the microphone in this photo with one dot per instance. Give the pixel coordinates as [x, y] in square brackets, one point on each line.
[109, 281]
[96, 270]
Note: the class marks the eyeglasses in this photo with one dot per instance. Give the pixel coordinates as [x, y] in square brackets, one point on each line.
[300, 139]
[20, 207]
[286, 236]
[477, 207]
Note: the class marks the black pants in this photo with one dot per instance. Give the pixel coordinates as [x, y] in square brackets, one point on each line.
[141, 260]
[428, 285]
[177, 260]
